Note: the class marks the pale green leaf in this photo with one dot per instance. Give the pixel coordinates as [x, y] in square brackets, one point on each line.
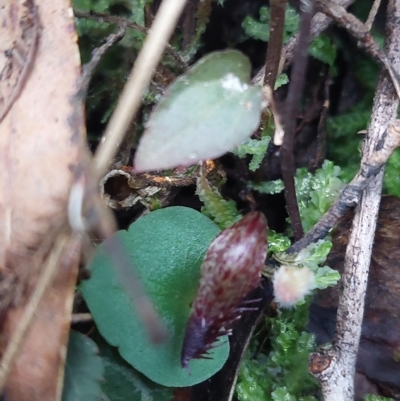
[204, 114]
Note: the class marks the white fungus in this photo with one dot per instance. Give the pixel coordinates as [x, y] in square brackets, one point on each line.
[232, 83]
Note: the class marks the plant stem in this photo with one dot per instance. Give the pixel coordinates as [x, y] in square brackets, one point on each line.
[297, 81]
[97, 54]
[319, 23]
[114, 19]
[273, 58]
[360, 32]
[372, 14]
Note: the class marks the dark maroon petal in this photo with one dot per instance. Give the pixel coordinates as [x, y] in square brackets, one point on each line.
[230, 270]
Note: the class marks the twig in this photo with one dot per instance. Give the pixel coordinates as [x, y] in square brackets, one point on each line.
[335, 367]
[276, 29]
[271, 70]
[81, 318]
[372, 14]
[129, 102]
[86, 212]
[97, 54]
[279, 132]
[349, 196]
[297, 80]
[132, 285]
[319, 24]
[113, 19]
[360, 32]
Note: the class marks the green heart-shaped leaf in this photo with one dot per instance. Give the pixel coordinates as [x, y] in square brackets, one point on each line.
[204, 114]
[83, 370]
[123, 382]
[166, 248]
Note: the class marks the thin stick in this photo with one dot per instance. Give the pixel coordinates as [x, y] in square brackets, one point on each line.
[372, 14]
[319, 24]
[97, 54]
[273, 58]
[132, 285]
[297, 81]
[113, 19]
[360, 32]
[129, 102]
[350, 195]
[81, 318]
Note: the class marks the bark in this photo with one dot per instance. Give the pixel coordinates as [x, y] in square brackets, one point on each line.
[335, 366]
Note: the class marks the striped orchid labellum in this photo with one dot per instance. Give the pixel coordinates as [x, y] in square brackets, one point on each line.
[230, 270]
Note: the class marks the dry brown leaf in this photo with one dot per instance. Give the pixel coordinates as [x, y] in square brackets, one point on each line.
[41, 135]
[37, 142]
[20, 34]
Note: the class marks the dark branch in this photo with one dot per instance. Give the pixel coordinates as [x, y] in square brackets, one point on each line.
[351, 194]
[319, 24]
[112, 19]
[359, 31]
[97, 54]
[277, 27]
[297, 80]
